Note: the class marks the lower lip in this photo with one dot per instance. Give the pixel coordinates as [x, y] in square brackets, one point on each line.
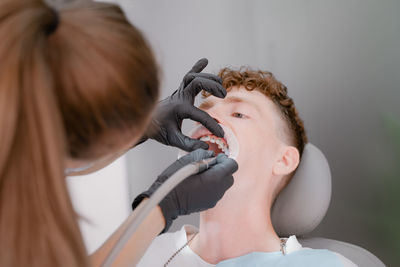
[229, 137]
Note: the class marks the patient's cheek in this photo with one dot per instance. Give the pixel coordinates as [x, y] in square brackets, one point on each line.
[253, 144]
[257, 151]
[249, 152]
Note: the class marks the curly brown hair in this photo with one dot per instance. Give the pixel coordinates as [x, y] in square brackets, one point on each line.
[293, 132]
[266, 83]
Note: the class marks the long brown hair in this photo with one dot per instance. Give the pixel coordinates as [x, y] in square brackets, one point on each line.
[60, 93]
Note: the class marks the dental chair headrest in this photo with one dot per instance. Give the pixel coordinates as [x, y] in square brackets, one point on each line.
[303, 203]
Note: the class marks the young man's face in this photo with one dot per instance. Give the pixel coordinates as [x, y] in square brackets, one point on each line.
[253, 119]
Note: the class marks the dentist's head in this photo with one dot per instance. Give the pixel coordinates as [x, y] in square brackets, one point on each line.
[76, 85]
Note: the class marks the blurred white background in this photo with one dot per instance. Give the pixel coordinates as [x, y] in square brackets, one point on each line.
[341, 63]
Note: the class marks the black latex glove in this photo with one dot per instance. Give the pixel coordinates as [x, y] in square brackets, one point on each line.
[167, 121]
[197, 192]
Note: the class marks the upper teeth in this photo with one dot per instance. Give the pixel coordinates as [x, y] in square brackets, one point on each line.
[205, 138]
[219, 142]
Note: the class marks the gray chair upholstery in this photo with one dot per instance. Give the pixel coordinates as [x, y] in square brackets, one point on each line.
[302, 205]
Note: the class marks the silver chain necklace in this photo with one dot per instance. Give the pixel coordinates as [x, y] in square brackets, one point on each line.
[179, 250]
[282, 244]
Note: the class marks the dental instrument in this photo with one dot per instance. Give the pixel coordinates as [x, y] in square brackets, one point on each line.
[180, 175]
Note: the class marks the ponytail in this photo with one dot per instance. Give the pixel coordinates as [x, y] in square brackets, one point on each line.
[38, 226]
[67, 80]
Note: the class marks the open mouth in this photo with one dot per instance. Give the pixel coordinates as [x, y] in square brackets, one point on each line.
[216, 144]
[227, 145]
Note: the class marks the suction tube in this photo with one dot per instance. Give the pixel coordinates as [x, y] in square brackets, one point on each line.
[158, 195]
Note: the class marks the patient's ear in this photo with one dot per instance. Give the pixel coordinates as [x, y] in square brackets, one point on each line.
[287, 162]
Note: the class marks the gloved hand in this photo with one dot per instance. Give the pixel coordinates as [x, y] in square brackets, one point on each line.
[197, 192]
[167, 121]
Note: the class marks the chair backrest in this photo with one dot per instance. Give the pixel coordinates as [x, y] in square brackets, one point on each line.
[302, 205]
[356, 254]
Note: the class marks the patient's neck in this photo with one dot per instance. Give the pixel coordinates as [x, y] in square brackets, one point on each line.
[234, 229]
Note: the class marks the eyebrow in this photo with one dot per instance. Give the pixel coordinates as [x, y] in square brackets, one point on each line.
[208, 103]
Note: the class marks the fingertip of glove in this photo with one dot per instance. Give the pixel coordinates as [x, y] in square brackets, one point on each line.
[234, 165]
[200, 145]
[221, 157]
[227, 162]
[224, 92]
[221, 91]
[229, 182]
[203, 61]
[200, 64]
[219, 131]
[203, 153]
